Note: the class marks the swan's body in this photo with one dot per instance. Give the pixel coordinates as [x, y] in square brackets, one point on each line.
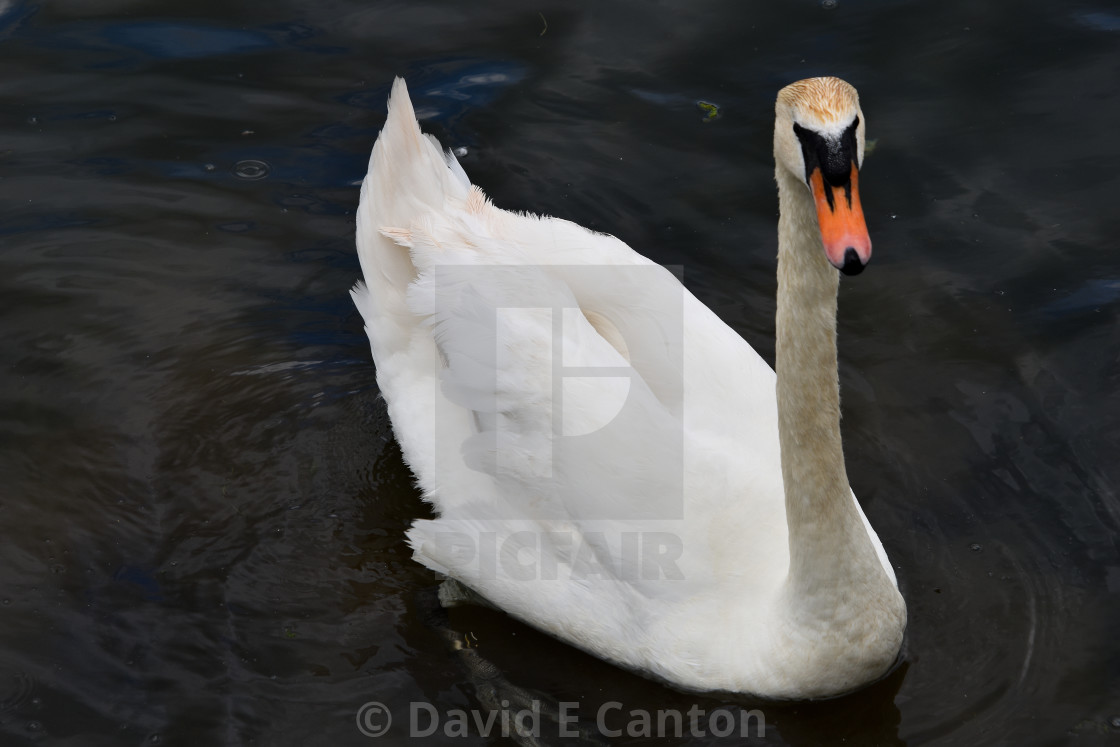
[704, 533]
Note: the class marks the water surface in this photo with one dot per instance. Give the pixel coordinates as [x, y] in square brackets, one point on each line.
[202, 506]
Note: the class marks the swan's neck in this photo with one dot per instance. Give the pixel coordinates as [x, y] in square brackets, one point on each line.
[830, 551]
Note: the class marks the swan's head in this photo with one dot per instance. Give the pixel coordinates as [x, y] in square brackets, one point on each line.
[818, 138]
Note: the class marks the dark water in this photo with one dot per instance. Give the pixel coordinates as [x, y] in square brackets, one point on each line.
[201, 505]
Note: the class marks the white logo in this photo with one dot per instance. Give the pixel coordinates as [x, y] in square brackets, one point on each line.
[374, 719]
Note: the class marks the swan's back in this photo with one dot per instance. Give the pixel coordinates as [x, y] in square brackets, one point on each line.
[418, 213]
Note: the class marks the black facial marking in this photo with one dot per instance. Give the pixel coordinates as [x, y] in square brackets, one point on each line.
[833, 156]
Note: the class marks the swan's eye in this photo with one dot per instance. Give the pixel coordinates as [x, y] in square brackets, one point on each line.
[849, 137]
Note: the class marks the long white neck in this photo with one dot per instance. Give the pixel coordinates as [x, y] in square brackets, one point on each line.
[831, 555]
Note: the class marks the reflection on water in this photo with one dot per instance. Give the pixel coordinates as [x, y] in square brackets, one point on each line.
[203, 508]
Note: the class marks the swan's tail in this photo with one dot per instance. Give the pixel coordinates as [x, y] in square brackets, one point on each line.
[409, 176]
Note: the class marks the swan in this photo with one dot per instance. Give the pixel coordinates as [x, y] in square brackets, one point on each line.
[607, 460]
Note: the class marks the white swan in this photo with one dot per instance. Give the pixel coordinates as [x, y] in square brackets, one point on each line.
[609, 461]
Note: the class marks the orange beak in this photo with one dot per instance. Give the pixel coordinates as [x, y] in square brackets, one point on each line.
[840, 216]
